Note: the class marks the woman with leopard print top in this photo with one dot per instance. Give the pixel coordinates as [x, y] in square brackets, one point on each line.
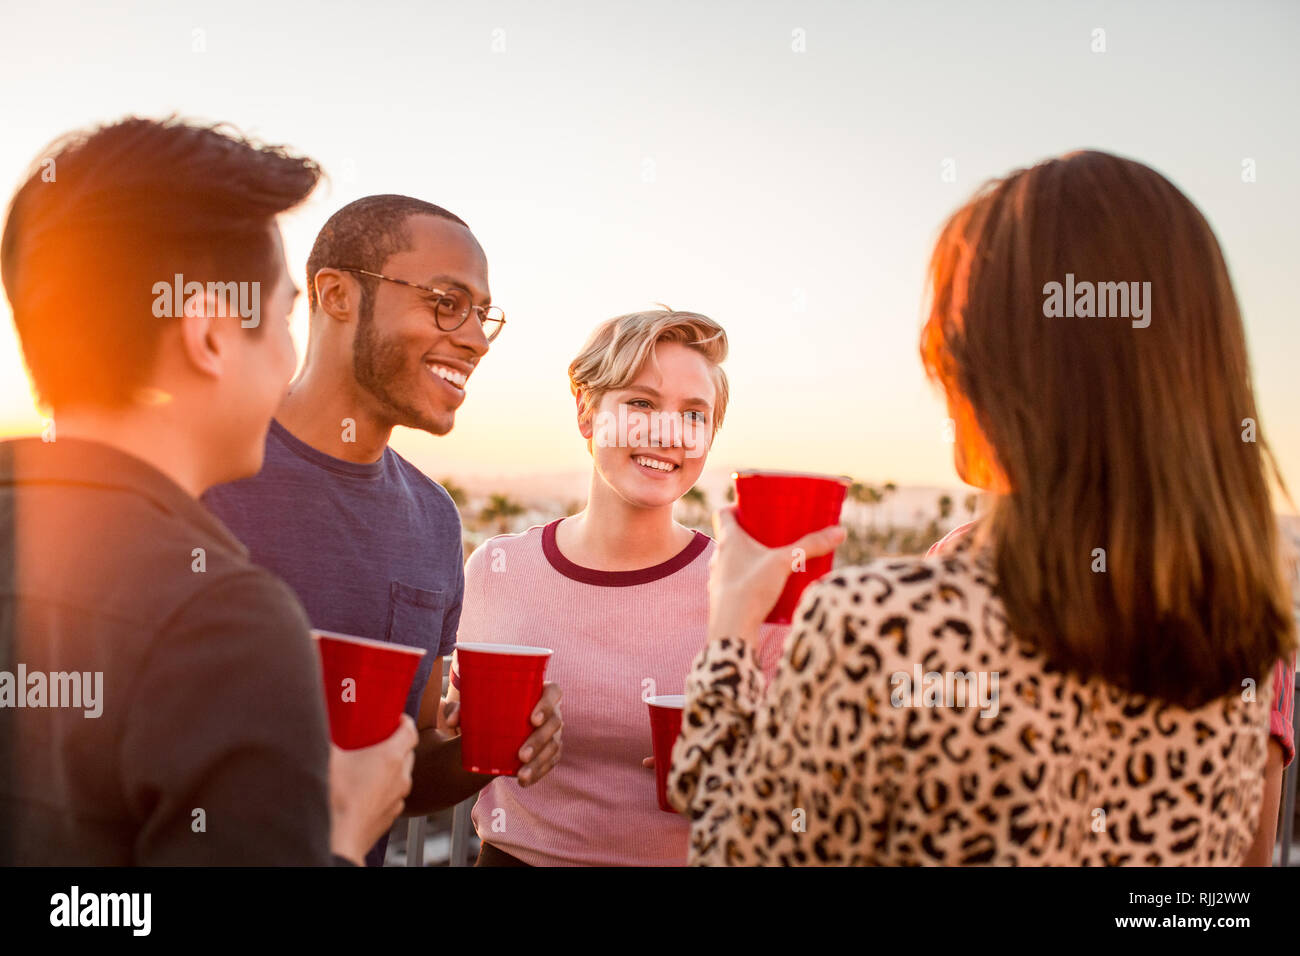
[1086, 678]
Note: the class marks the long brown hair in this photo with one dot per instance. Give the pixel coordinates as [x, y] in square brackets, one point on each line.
[1142, 441]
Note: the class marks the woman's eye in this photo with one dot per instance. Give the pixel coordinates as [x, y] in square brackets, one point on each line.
[639, 402]
[699, 417]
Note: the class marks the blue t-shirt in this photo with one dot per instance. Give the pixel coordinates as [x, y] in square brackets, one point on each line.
[370, 549]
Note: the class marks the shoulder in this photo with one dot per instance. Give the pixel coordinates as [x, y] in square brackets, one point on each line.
[232, 502]
[912, 583]
[281, 475]
[430, 493]
[244, 625]
[899, 609]
[700, 551]
[248, 597]
[950, 540]
[279, 464]
[518, 544]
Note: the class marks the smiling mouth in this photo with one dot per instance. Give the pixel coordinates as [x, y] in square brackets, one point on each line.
[655, 464]
[451, 376]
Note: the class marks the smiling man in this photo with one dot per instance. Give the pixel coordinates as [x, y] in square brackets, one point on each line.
[400, 318]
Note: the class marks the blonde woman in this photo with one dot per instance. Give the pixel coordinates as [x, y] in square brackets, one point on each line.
[618, 591]
[1122, 599]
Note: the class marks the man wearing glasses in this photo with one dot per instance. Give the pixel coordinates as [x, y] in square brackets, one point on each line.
[400, 318]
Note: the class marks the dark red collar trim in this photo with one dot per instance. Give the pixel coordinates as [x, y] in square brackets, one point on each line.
[618, 579]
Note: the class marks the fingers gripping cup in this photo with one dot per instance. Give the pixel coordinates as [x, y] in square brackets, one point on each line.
[665, 725]
[500, 685]
[777, 508]
[366, 685]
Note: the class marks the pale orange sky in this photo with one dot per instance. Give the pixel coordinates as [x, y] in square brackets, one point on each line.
[610, 158]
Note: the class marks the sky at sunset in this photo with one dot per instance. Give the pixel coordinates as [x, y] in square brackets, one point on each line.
[777, 166]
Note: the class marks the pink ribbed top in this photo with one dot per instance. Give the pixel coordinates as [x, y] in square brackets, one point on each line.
[617, 636]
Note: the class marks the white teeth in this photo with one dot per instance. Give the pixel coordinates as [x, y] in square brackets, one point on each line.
[448, 374]
[654, 463]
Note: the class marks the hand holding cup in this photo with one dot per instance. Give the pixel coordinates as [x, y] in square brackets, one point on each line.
[368, 789]
[746, 578]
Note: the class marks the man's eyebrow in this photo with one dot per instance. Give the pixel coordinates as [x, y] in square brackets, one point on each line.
[444, 280]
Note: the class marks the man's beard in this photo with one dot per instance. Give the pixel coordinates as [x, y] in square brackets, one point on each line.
[377, 364]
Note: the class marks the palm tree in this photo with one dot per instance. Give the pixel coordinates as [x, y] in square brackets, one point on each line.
[857, 493]
[458, 494]
[889, 490]
[945, 507]
[500, 508]
[868, 495]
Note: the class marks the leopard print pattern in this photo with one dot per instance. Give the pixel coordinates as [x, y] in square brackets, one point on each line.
[825, 769]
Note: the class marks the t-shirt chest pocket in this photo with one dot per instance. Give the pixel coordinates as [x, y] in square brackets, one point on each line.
[415, 620]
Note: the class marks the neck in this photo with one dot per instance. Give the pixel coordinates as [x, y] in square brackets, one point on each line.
[157, 436]
[339, 421]
[612, 535]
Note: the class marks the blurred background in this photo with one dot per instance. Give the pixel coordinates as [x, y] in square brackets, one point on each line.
[781, 167]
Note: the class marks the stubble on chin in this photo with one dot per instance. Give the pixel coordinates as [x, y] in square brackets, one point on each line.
[376, 365]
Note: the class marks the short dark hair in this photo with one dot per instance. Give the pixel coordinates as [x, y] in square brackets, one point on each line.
[363, 234]
[107, 212]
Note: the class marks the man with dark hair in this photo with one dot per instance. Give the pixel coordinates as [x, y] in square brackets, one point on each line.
[161, 697]
[400, 318]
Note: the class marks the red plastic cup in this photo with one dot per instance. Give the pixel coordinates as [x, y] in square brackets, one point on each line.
[500, 685]
[665, 725]
[368, 709]
[777, 508]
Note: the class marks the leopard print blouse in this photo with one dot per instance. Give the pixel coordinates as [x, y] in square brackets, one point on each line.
[908, 726]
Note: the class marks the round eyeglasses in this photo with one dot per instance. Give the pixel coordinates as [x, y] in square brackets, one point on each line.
[451, 307]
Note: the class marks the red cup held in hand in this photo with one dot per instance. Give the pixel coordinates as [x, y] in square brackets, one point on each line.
[665, 726]
[366, 685]
[500, 685]
[777, 508]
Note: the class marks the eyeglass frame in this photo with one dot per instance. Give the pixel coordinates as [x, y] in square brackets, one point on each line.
[483, 313]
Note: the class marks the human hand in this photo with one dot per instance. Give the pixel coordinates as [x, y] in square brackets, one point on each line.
[368, 788]
[541, 751]
[451, 714]
[746, 578]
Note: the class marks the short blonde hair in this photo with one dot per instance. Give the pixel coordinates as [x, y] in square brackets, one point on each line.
[619, 348]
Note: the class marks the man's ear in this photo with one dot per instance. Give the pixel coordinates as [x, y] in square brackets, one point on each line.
[338, 294]
[204, 337]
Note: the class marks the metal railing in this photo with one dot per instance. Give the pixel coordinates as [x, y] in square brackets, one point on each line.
[460, 818]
